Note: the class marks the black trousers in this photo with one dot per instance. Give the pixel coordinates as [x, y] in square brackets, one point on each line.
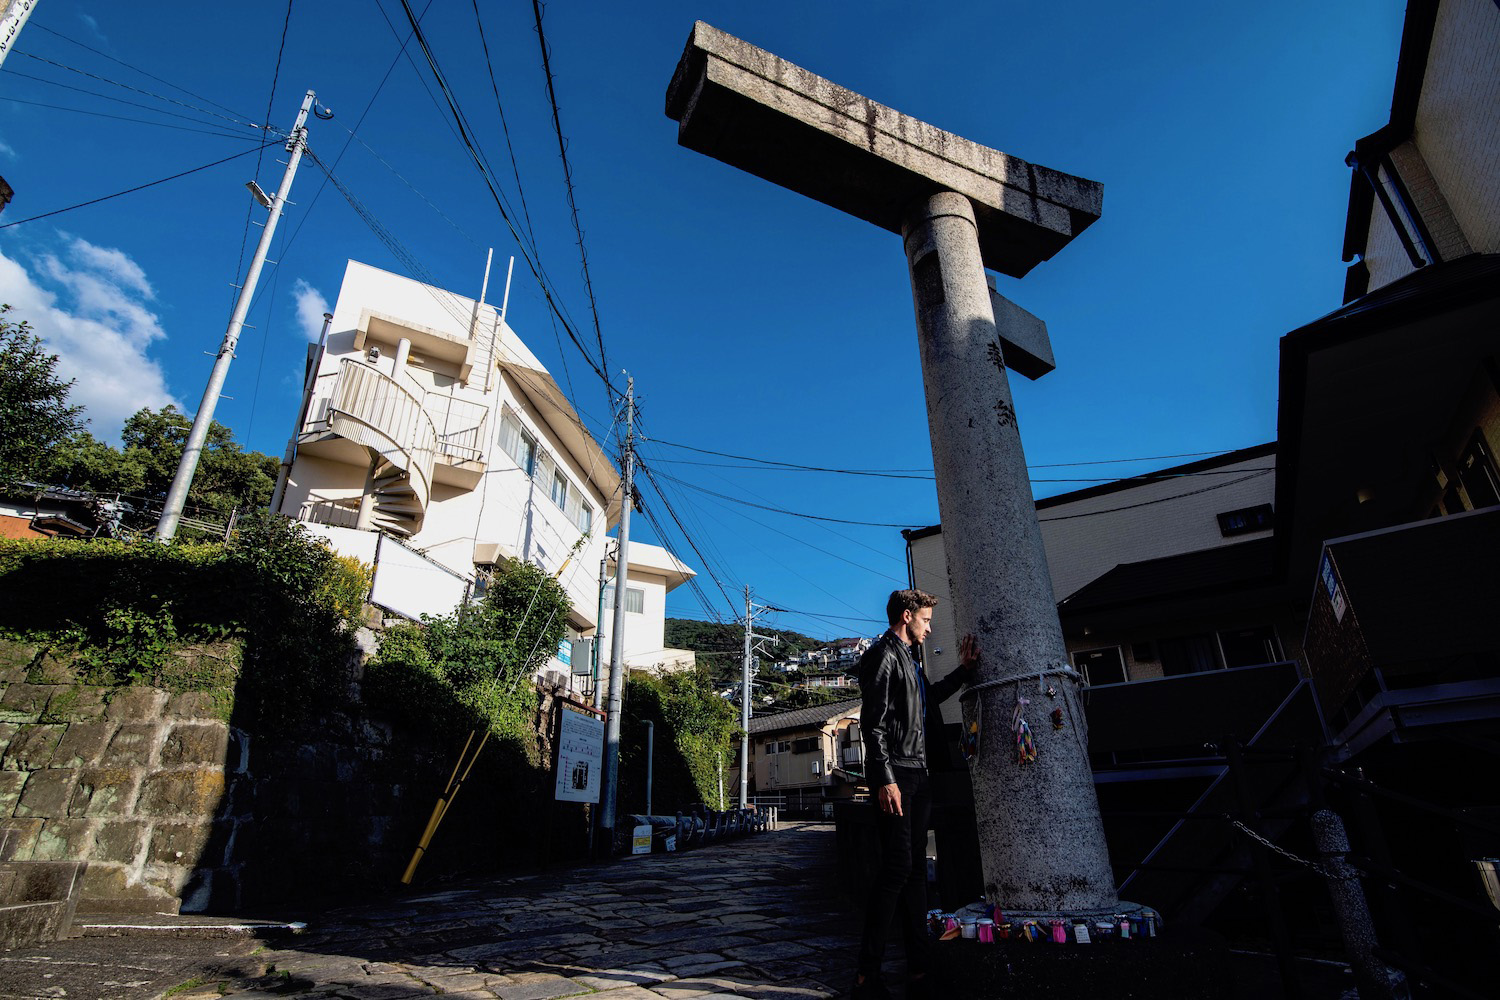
[900, 886]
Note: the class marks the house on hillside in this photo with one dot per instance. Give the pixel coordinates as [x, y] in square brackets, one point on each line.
[433, 443]
[809, 757]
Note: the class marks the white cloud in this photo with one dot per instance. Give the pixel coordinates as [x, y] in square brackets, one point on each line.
[93, 25]
[8, 151]
[87, 303]
[311, 305]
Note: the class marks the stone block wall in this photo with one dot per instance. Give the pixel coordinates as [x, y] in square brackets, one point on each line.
[174, 808]
[129, 779]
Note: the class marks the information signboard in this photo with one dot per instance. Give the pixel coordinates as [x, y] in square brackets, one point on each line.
[580, 755]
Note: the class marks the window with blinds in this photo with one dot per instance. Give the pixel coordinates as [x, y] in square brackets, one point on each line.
[521, 445]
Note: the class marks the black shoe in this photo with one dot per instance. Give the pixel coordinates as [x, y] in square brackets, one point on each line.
[873, 988]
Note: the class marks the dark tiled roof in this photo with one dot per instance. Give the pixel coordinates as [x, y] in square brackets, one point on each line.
[1197, 572]
[802, 718]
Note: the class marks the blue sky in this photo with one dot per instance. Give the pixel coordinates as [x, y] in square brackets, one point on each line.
[755, 321]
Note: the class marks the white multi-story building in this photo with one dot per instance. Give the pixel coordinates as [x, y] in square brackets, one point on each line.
[430, 428]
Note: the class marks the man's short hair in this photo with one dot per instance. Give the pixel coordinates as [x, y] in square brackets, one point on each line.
[906, 600]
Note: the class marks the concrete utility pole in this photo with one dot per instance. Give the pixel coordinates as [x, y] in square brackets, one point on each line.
[746, 688]
[13, 17]
[192, 450]
[960, 208]
[611, 777]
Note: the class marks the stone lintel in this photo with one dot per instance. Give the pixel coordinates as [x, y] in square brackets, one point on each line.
[750, 109]
[1023, 337]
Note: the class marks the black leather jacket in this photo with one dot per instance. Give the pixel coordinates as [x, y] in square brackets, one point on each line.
[890, 715]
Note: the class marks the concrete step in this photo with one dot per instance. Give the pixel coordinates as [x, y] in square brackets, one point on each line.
[180, 925]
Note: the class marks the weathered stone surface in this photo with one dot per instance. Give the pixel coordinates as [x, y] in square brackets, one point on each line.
[31, 748]
[119, 840]
[83, 743]
[25, 702]
[195, 743]
[8, 731]
[192, 705]
[189, 792]
[64, 840]
[77, 703]
[180, 843]
[753, 110]
[132, 704]
[47, 793]
[110, 888]
[133, 743]
[11, 783]
[55, 667]
[15, 654]
[1001, 588]
[18, 837]
[105, 791]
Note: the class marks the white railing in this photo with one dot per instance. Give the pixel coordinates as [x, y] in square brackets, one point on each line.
[373, 409]
[460, 425]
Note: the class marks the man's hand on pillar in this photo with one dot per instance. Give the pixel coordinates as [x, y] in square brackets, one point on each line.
[968, 654]
[888, 797]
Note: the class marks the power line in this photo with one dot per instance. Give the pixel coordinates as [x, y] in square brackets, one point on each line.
[1148, 503]
[780, 510]
[562, 151]
[138, 90]
[486, 175]
[1141, 477]
[138, 187]
[127, 118]
[135, 69]
[239, 266]
[120, 100]
[917, 473]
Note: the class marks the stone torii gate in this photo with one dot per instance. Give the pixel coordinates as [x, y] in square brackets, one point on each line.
[960, 208]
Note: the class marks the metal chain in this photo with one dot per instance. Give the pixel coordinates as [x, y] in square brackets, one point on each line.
[1322, 870]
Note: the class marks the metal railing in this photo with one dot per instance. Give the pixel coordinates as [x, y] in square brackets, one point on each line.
[375, 410]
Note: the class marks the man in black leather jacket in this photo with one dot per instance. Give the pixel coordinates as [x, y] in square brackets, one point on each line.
[893, 715]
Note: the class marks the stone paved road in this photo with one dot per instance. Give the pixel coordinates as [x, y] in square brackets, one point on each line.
[754, 917]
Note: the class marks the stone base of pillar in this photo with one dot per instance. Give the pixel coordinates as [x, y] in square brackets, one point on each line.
[1186, 962]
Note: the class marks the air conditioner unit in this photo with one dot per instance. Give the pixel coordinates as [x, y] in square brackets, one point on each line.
[817, 767]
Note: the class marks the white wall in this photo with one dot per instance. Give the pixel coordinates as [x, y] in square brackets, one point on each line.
[1162, 518]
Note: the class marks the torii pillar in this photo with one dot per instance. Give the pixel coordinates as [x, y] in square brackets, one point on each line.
[960, 208]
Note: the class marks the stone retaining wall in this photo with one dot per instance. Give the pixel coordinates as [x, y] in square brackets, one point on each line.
[128, 780]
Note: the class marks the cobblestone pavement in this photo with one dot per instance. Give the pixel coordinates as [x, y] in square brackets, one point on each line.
[758, 917]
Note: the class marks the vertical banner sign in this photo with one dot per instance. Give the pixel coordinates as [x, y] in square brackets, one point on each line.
[580, 756]
[1331, 584]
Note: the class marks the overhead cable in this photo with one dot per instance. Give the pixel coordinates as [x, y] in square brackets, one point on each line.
[138, 187]
[135, 121]
[468, 141]
[138, 90]
[135, 69]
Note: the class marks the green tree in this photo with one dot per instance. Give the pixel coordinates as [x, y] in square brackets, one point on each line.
[152, 442]
[473, 669]
[34, 411]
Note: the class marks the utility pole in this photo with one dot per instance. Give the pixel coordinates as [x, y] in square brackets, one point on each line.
[611, 776]
[13, 17]
[192, 450]
[745, 688]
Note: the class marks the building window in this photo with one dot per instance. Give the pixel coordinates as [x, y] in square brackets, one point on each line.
[1188, 654]
[559, 490]
[517, 442]
[635, 599]
[1476, 470]
[808, 745]
[1246, 519]
[1250, 647]
[1101, 666]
